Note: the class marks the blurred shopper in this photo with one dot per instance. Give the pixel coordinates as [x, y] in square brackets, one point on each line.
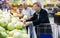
[29, 13]
[27, 10]
[4, 6]
[40, 21]
[1, 4]
[56, 9]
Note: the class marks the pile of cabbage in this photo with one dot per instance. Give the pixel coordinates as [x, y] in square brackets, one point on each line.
[11, 27]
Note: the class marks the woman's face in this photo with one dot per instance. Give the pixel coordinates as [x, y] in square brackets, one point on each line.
[36, 8]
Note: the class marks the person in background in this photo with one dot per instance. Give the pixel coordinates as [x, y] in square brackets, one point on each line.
[4, 8]
[27, 10]
[29, 13]
[40, 20]
[1, 3]
[56, 9]
[1, 6]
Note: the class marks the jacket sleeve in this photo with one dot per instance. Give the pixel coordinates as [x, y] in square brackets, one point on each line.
[33, 18]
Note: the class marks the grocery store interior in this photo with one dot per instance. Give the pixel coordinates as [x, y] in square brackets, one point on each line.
[10, 16]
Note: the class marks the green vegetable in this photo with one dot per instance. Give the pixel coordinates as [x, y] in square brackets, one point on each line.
[3, 35]
[11, 26]
[2, 29]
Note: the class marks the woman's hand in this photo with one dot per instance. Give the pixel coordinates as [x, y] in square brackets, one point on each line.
[27, 23]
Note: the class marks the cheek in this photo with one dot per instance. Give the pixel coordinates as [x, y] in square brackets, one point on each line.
[34, 8]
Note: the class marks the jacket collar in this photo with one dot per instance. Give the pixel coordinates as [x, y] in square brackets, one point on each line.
[38, 11]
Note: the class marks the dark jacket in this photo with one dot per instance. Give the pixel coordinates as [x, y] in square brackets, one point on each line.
[40, 23]
[43, 18]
